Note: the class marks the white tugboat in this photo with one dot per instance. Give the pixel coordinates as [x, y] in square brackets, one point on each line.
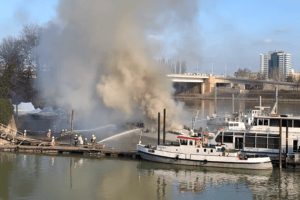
[188, 150]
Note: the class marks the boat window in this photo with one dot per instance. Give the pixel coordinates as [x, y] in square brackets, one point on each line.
[274, 135]
[261, 142]
[236, 124]
[261, 135]
[297, 123]
[228, 139]
[255, 122]
[295, 146]
[260, 121]
[204, 150]
[249, 141]
[250, 134]
[273, 143]
[228, 133]
[183, 142]
[211, 150]
[197, 150]
[274, 122]
[230, 124]
[266, 122]
[239, 134]
[284, 122]
[191, 142]
[219, 138]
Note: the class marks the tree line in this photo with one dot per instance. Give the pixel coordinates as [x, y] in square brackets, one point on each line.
[18, 68]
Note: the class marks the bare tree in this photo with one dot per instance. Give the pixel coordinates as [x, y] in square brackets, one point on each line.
[10, 52]
[244, 73]
[277, 75]
[18, 52]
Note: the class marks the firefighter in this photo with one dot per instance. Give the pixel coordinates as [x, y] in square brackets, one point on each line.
[85, 141]
[76, 139]
[49, 133]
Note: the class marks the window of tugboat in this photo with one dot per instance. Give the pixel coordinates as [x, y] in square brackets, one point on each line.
[204, 150]
[236, 124]
[191, 142]
[260, 122]
[183, 142]
[211, 150]
[197, 150]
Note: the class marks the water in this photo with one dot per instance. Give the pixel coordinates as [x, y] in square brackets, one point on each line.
[26, 176]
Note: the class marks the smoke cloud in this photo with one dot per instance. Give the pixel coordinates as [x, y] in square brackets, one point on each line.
[96, 58]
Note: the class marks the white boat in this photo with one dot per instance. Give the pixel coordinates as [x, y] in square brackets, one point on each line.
[262, 135]
[189, 151]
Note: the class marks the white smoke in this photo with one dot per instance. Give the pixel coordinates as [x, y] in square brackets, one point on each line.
[97, 59]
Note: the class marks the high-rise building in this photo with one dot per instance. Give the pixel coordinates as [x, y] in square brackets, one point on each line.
[264, 65]
[275, 65]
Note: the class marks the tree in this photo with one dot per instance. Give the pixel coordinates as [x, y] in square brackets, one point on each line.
[6, 108]
[243, 73]
[276, 74]
[18, 52]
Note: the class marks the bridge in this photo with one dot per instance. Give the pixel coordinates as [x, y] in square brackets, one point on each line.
[188, 78]
[205, 83]
[192, 83]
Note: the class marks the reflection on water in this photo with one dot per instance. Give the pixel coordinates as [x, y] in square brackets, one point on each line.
[76, 177]
[215, 183]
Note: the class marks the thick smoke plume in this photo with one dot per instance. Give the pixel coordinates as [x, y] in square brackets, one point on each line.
[98, 59]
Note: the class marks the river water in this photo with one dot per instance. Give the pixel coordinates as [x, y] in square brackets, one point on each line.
[28, 176]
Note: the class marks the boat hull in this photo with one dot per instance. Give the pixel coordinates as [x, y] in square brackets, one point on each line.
[204, 163]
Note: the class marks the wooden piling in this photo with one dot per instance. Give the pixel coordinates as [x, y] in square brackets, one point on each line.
[286, 142]
[215, 92]
[232, 103]
[158, 129]
[72, 118]
[280, 139]
[164, 128]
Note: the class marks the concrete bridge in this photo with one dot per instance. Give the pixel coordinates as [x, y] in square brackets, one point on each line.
[192, 83]
[205, 83]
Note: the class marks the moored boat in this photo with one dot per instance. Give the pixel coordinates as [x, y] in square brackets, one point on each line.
[188, 150]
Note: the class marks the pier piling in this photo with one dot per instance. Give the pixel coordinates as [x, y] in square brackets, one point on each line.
[286, 142]
[280, 139]
[158, 129]
[72, 118]
[164, 128]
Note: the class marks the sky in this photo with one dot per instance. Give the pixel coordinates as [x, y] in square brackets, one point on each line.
[229, 33]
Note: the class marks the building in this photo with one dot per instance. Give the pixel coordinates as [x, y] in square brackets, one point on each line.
[275, 65]
[295, 76]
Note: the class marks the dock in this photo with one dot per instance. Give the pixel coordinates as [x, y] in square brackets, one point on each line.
[83, 150]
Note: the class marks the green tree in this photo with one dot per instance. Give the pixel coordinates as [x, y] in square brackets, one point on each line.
[6, 108]
[6, 111]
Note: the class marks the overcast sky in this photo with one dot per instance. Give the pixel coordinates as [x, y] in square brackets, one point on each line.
[229, 33]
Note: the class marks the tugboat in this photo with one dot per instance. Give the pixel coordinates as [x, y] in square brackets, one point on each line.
[192, 150]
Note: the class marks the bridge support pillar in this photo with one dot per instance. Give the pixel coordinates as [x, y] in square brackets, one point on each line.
[202, 88]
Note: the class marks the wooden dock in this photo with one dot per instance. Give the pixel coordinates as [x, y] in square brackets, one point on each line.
[84, 150]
